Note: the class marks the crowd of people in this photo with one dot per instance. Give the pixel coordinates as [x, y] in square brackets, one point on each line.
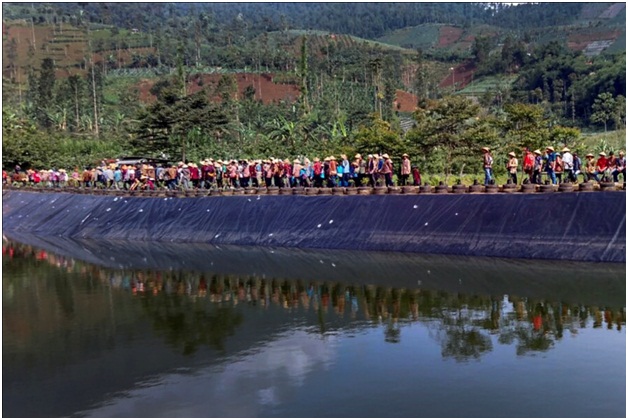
[374, 170]
[559, 167]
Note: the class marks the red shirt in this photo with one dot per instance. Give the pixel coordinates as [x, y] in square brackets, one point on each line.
[602, 164]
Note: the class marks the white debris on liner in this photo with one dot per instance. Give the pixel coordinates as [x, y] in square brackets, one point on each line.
[415, 206]
[331, 221]
[109, 209]
[319, 225]
[85, 218]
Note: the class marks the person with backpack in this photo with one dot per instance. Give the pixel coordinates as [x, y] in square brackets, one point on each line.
[487, 165]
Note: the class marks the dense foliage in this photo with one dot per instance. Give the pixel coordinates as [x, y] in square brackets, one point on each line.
[347, 85]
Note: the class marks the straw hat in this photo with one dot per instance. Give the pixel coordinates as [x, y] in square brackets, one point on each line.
[296, 161]
[385, 156]
[537, 152]
[602, 154]
[370, 156]
[286, 161]
[184, 166]
[512, 154]
[316, 159]
[326, 159]
[589, 155]
[565, 149]
[485, 149]
[405, 155]
[358, 156]
[332, 158]
[550, 148]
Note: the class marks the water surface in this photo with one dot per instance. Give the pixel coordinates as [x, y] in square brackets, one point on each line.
[146, 330]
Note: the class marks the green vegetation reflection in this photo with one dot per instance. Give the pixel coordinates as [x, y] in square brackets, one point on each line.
[192, 310]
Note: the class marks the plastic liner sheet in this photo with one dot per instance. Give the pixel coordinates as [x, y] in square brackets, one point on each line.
[559, 226]
[573, 282]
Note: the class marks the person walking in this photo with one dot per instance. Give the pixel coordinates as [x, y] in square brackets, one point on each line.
[346, 171]
[528, 164]
[550, 163]
[387, 170]
[487, 165]
[512, 166]
[406, 169]
[538, 166]
[568, 165]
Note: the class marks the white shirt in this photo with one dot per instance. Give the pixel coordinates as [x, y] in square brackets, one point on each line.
[567, 160]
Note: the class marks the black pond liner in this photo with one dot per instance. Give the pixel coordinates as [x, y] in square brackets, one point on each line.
[575, 226]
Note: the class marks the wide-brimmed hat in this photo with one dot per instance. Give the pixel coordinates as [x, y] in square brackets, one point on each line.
[538, 152]
[550, 148]
[358, 156]
[512, 154]
[296, 161]
[602, 154]
[385, 156]
[565, 149]
[485, 149]
[316, 159]
[405, 155]
[326, 159]
[589, 155]
[332, 158]
[184, 166]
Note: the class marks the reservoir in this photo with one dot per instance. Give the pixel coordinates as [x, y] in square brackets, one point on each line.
[136, 329]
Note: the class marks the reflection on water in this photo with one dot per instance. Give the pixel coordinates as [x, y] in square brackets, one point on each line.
[145, 342]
